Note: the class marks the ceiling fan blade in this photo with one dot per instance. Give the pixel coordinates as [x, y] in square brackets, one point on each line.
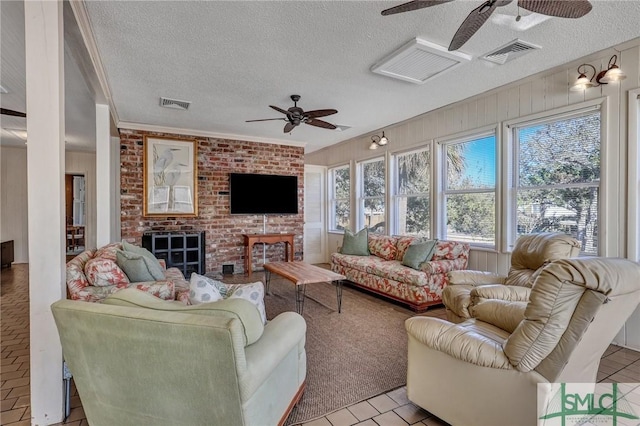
[284, 111]
[289, 127]
[474, 21]
[413, 5]
[561, 9]
[320, 113]
[12, 112]
[265, 119]
[320, 123]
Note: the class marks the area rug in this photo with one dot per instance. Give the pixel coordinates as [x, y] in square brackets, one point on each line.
[351, 356]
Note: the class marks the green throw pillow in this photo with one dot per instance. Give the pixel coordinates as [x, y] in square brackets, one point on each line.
[419, 252]
[356, 244]
[132, 248]
[139, 268]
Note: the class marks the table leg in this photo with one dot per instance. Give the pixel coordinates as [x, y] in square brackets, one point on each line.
[300, 292]
[248, 261]
[267, 280]
[339, 294]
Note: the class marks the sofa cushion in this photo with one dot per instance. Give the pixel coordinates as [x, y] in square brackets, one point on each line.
[360, 263]
[394, 270]
[418, 252]
[239, 309]
[139, 268]
[383, 246]
[402, 245]
[450, 250]
[103, 272]
[132, 248]
[355, 244]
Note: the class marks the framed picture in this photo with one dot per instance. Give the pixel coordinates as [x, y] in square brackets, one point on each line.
[170, 177]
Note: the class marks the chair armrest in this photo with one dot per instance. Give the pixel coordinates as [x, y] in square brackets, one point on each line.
[501, 313]
[459, 341]
[282, 335]
[443, 266]
[475, 278]
[510, 293]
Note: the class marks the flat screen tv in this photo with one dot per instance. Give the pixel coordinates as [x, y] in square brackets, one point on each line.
[263, 194]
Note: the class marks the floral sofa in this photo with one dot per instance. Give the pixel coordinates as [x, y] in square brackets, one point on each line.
[94, 274]
[382, 271]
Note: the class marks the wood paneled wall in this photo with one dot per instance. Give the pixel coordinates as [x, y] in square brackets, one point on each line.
[544, 92]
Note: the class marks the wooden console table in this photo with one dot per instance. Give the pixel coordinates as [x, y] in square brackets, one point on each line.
[251, 239]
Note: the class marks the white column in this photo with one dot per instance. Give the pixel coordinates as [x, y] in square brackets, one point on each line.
[44, 53]
[104, 181]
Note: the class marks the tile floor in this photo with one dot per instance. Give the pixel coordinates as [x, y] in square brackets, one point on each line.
[390, 409]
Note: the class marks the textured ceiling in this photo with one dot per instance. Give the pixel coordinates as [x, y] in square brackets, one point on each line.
[232, 59]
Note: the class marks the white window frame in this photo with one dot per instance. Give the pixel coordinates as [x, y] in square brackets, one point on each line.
[443, 192]
[396, 196]
[360, 193]
[333, 199]
[511, 126]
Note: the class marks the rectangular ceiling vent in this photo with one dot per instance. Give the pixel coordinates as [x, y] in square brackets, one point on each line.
[510, 51]
[418, 61]
[174, 104]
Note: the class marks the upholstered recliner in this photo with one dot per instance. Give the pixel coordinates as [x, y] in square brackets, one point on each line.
[485, 371]
[153, 362]
[531, 253]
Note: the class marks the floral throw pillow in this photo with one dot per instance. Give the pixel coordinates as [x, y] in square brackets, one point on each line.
[254, 293]
[102, 272]
[202, 290]
[383, 246]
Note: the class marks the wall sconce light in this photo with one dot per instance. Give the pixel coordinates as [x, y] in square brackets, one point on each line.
[377, 141]
[612, 74]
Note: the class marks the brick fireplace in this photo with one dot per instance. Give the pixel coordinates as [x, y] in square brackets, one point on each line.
[216, 159]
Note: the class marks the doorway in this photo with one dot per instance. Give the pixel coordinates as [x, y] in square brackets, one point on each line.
[75, 214]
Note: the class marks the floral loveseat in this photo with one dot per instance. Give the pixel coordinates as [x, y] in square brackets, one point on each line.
[382, 271]
[94, 274]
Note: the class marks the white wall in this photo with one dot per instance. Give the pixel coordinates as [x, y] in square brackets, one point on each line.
[13, 201]
[547, 91]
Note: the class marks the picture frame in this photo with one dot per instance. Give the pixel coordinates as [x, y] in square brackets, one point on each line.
[170, 169]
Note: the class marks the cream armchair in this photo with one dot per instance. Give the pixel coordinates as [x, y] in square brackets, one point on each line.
[531, 253]
[485, 371]
[153, 362]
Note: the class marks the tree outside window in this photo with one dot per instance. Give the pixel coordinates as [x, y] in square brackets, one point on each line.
[557, 178]
[412, 191]
[470, 190]
[371, 203]
[340, 198]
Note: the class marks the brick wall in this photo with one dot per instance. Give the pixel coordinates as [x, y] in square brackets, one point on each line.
[216, 159]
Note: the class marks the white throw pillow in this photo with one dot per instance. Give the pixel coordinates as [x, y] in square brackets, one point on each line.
[253, 292]
[202, 290]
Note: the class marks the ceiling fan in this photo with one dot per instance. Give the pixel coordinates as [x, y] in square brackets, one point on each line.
[478, 16]
[12, 112]
[296, 115]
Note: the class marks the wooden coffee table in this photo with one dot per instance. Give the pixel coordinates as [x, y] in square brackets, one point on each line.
[301, 274]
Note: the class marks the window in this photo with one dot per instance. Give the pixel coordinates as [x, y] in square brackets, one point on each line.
[557, 177]
[412, 206]
[371, 208]
[470, 190]
[339, 198]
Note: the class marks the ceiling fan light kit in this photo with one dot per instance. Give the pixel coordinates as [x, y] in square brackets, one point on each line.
[612, 74]
[377, 141]
[296, 115]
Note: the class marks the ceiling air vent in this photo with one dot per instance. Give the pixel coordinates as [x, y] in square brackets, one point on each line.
[175, 104]
[419, 61]
[510, 51]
